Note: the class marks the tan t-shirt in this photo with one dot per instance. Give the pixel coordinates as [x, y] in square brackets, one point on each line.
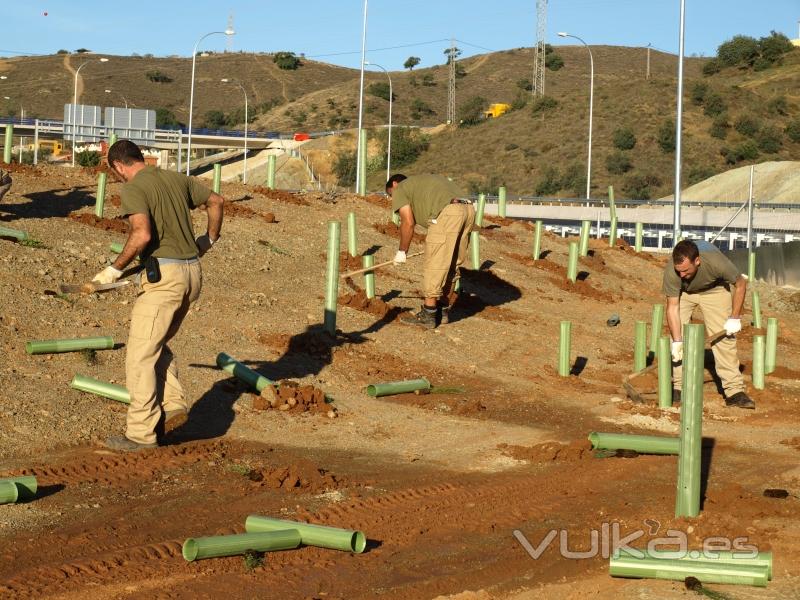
[715, 269]
[167, 198]
[427, 195]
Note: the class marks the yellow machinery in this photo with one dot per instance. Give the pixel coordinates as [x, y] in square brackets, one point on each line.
[496, 109]
[53, 145]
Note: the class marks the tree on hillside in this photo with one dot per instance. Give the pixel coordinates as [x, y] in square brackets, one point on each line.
[666, 136]
[624, 138]
[380, 90]
[411, 62]
[165, 119]
[553, 61]
[746, 52]
[215, 119]
[471, 112]
[452, 54]
[739, 50]
[286, 61]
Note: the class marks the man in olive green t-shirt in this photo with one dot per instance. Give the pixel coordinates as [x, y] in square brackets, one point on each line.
[695, 278]
[435, 202]
[158, 205]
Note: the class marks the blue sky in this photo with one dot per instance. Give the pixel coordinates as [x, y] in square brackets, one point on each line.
[330, 30]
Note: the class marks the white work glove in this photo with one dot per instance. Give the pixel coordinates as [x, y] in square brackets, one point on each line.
[677, 351]
[107, 275]
[733, 326]
[399, 258]
[204, 244]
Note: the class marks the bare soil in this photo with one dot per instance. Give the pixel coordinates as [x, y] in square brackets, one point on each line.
[438, 482]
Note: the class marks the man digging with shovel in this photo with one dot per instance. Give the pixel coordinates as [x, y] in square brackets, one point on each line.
[437, 203]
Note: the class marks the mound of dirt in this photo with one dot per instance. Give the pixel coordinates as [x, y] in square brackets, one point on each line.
[359, 301]
[393, 230]
[549, 451]
[280, 195]
[116, 224]
[291, 396]
[379, 200]
[349, 263]
[234, 209]
[300, 476]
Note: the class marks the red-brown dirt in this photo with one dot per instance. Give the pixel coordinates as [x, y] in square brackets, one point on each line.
[118, 225]
[393, 230]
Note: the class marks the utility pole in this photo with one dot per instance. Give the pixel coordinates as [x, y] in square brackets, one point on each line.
[451, 85]
[648, 62]
[229, 41]
[537, 86]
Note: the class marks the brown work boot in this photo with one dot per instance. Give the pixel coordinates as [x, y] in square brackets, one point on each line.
[122, 443]
[740, 400]
[426, 318]
[445, 315]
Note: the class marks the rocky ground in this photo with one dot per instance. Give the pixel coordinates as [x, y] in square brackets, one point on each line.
[437, 482]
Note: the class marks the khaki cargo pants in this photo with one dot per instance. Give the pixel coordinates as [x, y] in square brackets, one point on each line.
[151, 373]
[715, 304]
[446, 248]
[5, 183]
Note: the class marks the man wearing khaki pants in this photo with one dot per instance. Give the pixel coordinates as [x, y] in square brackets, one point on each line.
[435, 202]
[158, 205]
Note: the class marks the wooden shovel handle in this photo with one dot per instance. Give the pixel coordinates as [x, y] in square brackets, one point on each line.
[378, 266]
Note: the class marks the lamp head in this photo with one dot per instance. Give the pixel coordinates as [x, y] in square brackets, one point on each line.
[3, 77]
[230, 31]
[107, 91]
[225, 80]
[103, 60]
[562, 34]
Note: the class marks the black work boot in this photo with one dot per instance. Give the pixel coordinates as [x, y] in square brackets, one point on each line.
[426, 317]
[740, 400]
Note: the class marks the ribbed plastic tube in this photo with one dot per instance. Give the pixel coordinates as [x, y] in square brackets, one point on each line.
[333, 538]
[572, 262]
[759, 352]
[687, 501]
[368, 261]
[112, 391]
[352, 234]
[761, 559]
[480, 210]
[271, 171]
[771, 353]
[678, 570]
[501, 202]
[26, 486]
[664, 358]
[8, 492]
[231, 545]
[217, 181]
[13, 233]
[583, 248]
[116, 247]
[656, 324]
[637, 240]
[100, 200]
[640, 346]
[644, 444]
[475, 250]
[332, 277]
[230, 365]
[537, 240]
[756, 308]
[564, 348]
[53, 346]
[398, 387]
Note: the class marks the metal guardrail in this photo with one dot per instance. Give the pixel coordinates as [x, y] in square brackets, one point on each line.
[603, 203]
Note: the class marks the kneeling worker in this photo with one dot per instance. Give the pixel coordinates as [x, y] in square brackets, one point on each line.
[435, 202]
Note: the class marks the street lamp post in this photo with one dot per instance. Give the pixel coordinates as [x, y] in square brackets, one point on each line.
[121, 96]
[228, 31]
[389, 141]
[359, 150]
[591, 106]
[241, 87]
[676, 218]
[75, 104]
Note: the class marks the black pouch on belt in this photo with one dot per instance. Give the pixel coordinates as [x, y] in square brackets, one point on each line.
[152, 269]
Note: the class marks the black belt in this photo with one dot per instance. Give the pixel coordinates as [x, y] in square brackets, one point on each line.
[460, 201]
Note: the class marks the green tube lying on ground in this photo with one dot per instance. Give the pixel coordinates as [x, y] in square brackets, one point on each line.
[8, 492]
[762, 559]
[53, 346]
[26, 486]
[644, 444]
[678, 570]
[230, 365]
[231, 545]
[116, 247]
[13, 233]
[397, 387]
[112, 391]
[312, 535]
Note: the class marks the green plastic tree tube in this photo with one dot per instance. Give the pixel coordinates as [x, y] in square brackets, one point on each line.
[9, 141]
[756, 307]
[369, 277]
[640, 346]
[584, 238]
[537, 240]
[100, 200]
[8, 492]
[217, 182]
[231, 545]
[664, 358]
[564, 348]
[271, 171]
[395, 218]
[751, 266]
[352, 234]
[678, 570]
[501, 202]
[656, 323]
[758, 361]
[572, 262]
[54, 346]
[230, 365]
[322, 536]
[116, 247]
[112, 391]
[687, 502]
[612, 210]
[26, 486]
[645, 444]
[112, 139]
[362, 185]
[332, 277]
[475, 249]
[398, 387]
[480, 210]
[762, 559]
[13, 233]
[771, 353]
[612, 233]
[637, 240]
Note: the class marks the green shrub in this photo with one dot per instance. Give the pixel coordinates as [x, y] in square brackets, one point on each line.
[711, 67]
[666, 136]
[574, 179]
[740, 50]
[553, 61]
[769, 140]
[345, 168]
[520, 101]
[215, 119]
[471, 112]
[624, 139]
[88, 158]
[698, 174]
[778, 106]
[407, 145]
[745, 151]
[747, 126]
[640, 187]
[286, 61]
[793, 131]
[411, 62]
[62, 51]
[420, 109]
[618, 163]
[549, 183]
[699, 92]
[427, 80]
[158, 77]
[774, 46]
[27, 155]
[525, 85]
[166, 119]
[543, 104]
[380, 90]
[715, 105]
[719, 128]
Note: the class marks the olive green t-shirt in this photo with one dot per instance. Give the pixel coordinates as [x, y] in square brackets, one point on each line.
[167, 198]
[427, 195]
[715, 269]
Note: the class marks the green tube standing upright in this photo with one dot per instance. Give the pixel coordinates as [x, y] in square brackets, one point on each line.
[751, 266]
[26, 486]
[480, 210]
[656, 324]
[758, 361]
[332, 277]
[54, 346]
[322, 536]
[368, 261]
[395, 218]
[231, 545]
[572, 262]
[8, 492]
[638, 239]
[230, 365]
[564, 348]
[640, 346]
[537, 240]
[362, 185]
[13, 233]
[645, 444]
[100, 200]
[687, 502]
[116, 247]
[664, 358]
[271, 171]
[678, 570]
[112, 139]
[9, 141]
[771, 353]
[112, 391]
[756, 308]
[217, 178]
[612, 217]
[397, 387]
[475, 250]
[584, 239]
[612, 233]
[501, 202]
[352, 234]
